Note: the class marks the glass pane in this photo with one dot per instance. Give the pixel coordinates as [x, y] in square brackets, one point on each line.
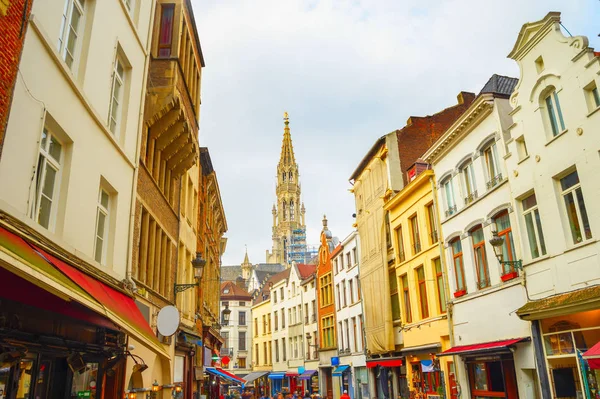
[4, 375]
[395, 307]
[99, 248]
[572, 216]
[529, 202]
[531, 236]
[477, 235]
[442, 293]
[456, 247]
[459, 274]
[68, 59]
[480, 375]
[481, 267]
[55, 149]
[502, 222]
[75, 18]
[584, 216]
[538, 222]
[569, 181]
[559, 344]
[44, 213]
[120, 69]
[44, 139]
[104, 198]
[178, 369]
[101, 222]
[117, 92]
[71, 42]
[559, 111]
[24, 372]
[85, 383]
[166, 27]
[438, 265]
[49, 180]
[113, 125]
[551, 116]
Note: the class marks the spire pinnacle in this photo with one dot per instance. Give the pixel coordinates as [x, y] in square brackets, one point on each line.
[287, 149]
[246, 260]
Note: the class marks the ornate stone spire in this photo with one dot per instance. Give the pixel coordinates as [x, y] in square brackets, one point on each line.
[287, 149]
[246, 266]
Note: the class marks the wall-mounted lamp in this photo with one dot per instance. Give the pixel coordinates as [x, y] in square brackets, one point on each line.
[198, 264]
[497, 243]
[225, 314]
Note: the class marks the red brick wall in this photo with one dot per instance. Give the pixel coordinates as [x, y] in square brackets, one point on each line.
[12, 36]
[421, 132]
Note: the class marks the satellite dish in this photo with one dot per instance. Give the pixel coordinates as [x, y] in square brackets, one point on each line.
[168, 321]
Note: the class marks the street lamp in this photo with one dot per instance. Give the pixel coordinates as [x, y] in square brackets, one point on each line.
[198, 264]
[225, 314]
[308, 339]
[497, 243]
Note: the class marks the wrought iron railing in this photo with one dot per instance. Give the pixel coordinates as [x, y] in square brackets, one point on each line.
[494, 181]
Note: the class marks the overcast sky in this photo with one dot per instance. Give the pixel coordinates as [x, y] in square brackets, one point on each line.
[347, 71]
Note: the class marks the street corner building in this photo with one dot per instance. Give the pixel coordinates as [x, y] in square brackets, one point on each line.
[113, 210]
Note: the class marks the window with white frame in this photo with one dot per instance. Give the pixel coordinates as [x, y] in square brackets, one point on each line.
[492, 168]
[102, 224]
[468, 179]
[533, 225]
[554, 113]
[592, 96]
[448, 193]
[71, 31]
[47, 180]
[116, 96]
[129, 4]
[579, 225]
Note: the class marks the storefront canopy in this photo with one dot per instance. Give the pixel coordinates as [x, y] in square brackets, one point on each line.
[291, 374]
[580, 300]
[592, 356]
[254, 376]
[307, 375]
[339, 371]
[276, 376]
[496, 346]
[224, 374]
[384, 363]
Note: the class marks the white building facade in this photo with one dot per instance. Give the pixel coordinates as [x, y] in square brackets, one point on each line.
[237, 333]
[475, 202]
[351, 374]
[279, 334]
[553, 164]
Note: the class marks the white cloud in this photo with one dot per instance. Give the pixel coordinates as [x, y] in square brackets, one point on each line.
[347, 71]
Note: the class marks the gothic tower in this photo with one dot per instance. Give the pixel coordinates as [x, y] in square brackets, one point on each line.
[246, 267]
[289, 230]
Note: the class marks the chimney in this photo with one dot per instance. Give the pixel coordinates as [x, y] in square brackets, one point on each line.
[465, 97]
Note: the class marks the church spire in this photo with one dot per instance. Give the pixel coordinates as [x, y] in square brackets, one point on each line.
[287, 158]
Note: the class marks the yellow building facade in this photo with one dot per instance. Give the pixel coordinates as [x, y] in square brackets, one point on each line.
[419, 284]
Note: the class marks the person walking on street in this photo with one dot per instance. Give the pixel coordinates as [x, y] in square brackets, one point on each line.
[345, 395]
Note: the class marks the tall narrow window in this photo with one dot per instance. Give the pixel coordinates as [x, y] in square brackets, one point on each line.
[468, 177]
[414, 229]
[394, 295]
[354, 335]
[47, 180]
[490, 155]
[277, 351]
[102, 220]
[533, 224]
[276, 320]
[448, 190]
[344, 293]
[579, 224]
[351, 289]
[388, 234]
[483, 277]
[400, 240]
[284, 209]
[457, 258]
[242, 340]
[422, 292]
[439, 282]
[557, 124]
[118, 80]
[166, 30]
[406, 299]
[502, 222]
[292, 211]
[70, 31]
[431, 224]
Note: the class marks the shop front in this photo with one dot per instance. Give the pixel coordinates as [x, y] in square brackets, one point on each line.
[490, 368]
[386, 374]
[292, 382]
[344, 375]
[309, 380]
[362, 383]
[424, 374]
[277, 380]
[257, 380]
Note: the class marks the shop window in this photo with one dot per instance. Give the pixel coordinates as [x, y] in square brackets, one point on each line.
[579, 225]
[493, 379]
[483, 276]
[85, 380]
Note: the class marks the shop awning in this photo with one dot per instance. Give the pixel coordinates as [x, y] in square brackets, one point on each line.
[291, 374]
[276, 376]
[421, 348]
[254, 376]
[580, 300]
[224, 374]
[384, 363]
[495, 346]
[307, 375]
[592, 356]
[339, 371]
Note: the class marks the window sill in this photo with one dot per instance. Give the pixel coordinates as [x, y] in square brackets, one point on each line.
[476, 200]
[592, 112]
[585, 243]
[556, 137]
[523, 160]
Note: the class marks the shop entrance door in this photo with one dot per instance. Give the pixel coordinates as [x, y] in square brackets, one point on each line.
[452, 381]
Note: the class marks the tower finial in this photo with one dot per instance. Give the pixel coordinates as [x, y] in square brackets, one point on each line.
[286, 118]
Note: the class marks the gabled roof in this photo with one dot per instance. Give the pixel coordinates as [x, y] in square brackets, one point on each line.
[499, 85]
[233, 291]
[265, 292]
[336, 251]
[305, 270]
[530, 30]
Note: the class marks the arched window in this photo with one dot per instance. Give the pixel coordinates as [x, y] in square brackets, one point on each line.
[483, 274]
[284, 210]
[457, 260]
[291, 177]
[283, 176]
[553, 115]
[292, 210]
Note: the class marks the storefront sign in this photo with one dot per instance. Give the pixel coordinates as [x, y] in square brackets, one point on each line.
[335, 361]
[84, 394]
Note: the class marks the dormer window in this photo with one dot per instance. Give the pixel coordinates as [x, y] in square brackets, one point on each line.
[226, 291]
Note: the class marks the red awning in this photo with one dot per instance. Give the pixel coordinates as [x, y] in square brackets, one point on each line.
[232, 376]
[592, 356]
[478, 348]
[291, 374]
[115, 301]
[384, 363]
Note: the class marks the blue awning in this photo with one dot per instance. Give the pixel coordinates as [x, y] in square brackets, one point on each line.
[340, 370]
[276, 376]
[220, 373]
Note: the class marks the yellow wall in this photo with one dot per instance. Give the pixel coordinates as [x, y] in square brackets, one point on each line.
[414, 199]
[263, 308]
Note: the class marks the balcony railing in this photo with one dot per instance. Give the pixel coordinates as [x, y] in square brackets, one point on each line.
[471, 197]
[494, 181]
[451, 210]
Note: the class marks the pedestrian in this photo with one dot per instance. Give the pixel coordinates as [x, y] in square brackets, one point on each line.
[345, 395]
[306, 394]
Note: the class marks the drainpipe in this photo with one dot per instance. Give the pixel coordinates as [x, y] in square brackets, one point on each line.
[128, 265]
[445, 279]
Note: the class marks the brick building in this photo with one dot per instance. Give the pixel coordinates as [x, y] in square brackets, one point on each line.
[14, 15]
